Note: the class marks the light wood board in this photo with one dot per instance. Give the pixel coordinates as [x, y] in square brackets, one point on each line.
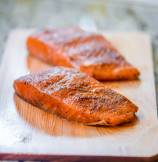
[26, 130]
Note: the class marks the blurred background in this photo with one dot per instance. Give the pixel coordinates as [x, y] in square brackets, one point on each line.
[93, 15]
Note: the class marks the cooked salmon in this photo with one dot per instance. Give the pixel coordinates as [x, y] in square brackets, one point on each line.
[88, 52]
[75, 96]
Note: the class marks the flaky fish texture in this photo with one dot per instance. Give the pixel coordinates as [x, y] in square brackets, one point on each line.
[88, 52]
[75, 96]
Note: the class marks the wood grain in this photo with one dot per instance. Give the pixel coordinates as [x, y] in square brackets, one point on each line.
[27, 130]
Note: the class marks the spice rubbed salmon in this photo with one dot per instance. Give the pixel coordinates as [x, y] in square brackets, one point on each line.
[88, 52]
[75, 96]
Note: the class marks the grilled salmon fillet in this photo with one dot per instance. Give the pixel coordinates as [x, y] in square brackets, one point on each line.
[75, 96]
[88, 52]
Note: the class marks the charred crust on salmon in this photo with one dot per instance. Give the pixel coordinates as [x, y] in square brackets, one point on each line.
[75, 96]
[88, 52]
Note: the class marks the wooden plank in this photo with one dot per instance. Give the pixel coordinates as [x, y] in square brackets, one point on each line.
[28, 130]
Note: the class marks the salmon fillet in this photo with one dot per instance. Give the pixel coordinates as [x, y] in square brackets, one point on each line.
[75, 96]
[88, 52]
